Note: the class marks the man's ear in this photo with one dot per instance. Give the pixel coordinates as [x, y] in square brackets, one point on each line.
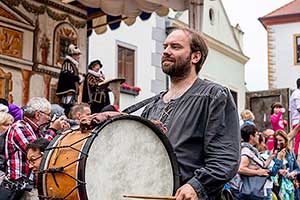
[196, 56]
[78, 115]
[37, 115]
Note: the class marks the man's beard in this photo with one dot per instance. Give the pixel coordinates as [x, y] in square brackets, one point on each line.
[178, 69]
[43, 126]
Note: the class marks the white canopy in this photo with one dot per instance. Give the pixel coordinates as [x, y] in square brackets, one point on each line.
[133, 8]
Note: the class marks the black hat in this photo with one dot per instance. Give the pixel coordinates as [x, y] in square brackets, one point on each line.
[3, 105]
[95, 62]
[3, 101]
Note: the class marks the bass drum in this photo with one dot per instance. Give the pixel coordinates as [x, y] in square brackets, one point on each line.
[125, 155]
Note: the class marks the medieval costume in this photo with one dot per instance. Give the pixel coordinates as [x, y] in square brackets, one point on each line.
[69, 80]
[95, 93]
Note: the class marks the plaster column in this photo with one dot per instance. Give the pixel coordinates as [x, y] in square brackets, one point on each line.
[26, 75]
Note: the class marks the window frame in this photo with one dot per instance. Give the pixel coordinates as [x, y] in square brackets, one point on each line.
[295, 36]
[130, 47]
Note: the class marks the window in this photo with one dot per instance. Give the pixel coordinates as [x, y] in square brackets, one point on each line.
[235, 96]
[211, 16]
[126, 63]
[297, 49]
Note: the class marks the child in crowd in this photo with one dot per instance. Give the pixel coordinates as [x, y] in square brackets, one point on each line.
[248, 118]
[277, 121]
[269, 135]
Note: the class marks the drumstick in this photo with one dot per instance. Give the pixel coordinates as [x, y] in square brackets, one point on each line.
[150, 197]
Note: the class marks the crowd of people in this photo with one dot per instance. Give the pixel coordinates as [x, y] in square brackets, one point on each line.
[269, 167]
[24, 135]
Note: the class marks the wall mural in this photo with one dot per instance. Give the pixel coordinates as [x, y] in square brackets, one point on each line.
[44, 47]
[11, 42]
[64, 36]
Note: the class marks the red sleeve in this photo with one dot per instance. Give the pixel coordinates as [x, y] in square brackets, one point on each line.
[50, 134]
[22, 137]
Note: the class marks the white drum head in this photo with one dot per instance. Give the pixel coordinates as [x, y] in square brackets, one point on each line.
[128, 158]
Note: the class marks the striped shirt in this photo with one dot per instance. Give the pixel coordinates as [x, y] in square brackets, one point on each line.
[18, 136]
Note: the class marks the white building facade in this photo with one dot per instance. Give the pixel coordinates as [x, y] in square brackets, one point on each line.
[283, 28]
[224, 65]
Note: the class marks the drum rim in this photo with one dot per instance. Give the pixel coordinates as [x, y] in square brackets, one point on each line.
[87, 145]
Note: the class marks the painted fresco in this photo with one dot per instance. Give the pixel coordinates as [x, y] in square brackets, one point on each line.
[11, 42]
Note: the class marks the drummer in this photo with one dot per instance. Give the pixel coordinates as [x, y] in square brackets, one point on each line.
[198, 116]
[94, 94]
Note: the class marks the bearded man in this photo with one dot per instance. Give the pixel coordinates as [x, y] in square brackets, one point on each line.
[199, 118]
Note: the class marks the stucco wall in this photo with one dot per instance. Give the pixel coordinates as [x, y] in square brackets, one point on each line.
[219, 24]
[286, 72]
[36, 86]
[227, 72]
[138, 37]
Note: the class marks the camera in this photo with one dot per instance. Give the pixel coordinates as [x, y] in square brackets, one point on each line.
[72, 122]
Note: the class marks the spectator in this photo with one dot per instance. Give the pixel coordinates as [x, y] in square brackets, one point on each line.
[251, 161]
[6, 121]
[295, 113]
[290, 168]
[3, 105]
[15, 111]
[273, 166]
[248, 118]
[12, 109]
[35, 152]
[57, 111]
[277, 121]
[22, 132]
[80, 111]
[269, 134]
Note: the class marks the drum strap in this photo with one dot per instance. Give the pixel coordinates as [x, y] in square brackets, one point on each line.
[141, 104]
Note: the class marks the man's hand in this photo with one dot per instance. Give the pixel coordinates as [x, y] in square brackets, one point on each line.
[58, 124]
[283, 172]
[281, 154]
[89, 122]
[186, 192]
[292, 175]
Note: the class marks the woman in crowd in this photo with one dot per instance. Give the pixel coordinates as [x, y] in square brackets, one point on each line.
[6, 121]
[252, 163]
[274, 165]
[277, 121]
[287, 174]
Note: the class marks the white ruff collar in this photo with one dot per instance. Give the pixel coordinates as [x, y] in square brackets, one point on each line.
[94, 73]
[72, 60]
